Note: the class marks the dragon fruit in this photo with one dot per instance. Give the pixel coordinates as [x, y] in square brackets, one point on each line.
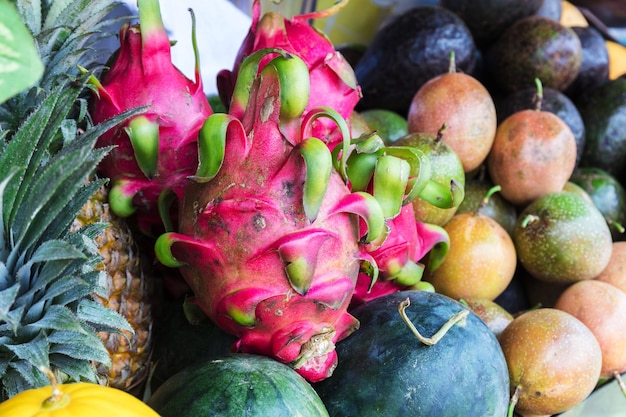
[408, 242]
[270, 235]
[333, 83]
[157, 150]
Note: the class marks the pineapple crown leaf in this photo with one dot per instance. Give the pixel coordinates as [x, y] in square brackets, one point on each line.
[47, 276]
[65, 32]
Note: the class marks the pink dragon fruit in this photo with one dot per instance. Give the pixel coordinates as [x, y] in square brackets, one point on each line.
[333, 83]
[270, 237]
[408, 241]
[156, 151]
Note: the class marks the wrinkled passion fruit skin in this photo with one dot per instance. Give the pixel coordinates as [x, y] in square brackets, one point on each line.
[535, 47]
[488, 19]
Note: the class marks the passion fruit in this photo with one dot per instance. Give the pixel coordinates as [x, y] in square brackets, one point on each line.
[562, 238]
[554, 361]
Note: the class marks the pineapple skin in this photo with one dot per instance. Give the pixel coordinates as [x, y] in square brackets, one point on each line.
[129, 292]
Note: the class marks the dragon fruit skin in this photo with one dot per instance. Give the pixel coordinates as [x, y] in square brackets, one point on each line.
[408, 242]
[142, 74]
[333, 82]
[262, 263]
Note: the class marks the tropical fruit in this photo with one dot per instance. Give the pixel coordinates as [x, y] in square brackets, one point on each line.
[488, 19]
[534, 47]
[554, 361]
[602, 308]
[553, 101]
[154, 152]
[561, 238]
[615, 271]
[607, 194]
[411, 347]
[273, 257]
[481, 260]
[603, 111]
[50, 283]
[332, 78]
[236, 385]
[446, 169]
[409, 50]
[463, 105]
[534, 153]
[129, 292]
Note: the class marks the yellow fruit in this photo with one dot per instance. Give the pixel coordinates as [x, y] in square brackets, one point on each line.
[80, 399]
[571, 16]
[617, 59]
[481, 260]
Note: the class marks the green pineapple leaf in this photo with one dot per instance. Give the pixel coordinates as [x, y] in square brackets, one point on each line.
[20, 64]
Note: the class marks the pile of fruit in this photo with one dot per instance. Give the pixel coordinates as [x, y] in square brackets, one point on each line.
[430, 224]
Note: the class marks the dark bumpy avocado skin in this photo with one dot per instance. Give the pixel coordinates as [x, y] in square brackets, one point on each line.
[594, 65]
[603, 111]
[553, 101]
[487, 19]
[534, 47]
[408, 51]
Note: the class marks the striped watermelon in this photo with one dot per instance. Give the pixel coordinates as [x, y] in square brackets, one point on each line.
[237, 384]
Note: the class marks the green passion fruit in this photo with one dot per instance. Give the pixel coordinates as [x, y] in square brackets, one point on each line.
[561, 238]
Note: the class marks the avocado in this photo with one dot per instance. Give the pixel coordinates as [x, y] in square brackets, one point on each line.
[488, 19]
[603, 111]
[594, 66]
[551, 9]
[409, 50]
[534, 47]
[552, 101]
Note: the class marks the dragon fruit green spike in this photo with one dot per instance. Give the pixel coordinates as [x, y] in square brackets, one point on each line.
[156, 151]
[407, 243]
[333, 83]
[271, 239]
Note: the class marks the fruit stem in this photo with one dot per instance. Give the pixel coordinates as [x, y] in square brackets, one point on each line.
[194, 43]
[530, 218]
[57, 395]
[513, 401]
[620, 382]
[429, 341]
[490, 192]
[617, 225]
[440, 132]
[452, 66]
[539, 95]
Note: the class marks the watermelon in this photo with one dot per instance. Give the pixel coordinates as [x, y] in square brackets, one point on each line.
[237, 384]
[384, 370]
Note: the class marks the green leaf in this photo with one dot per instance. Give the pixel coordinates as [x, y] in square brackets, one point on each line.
[35, 351]
[93, 312]
[79, 346]
[59, 318]
[53, 250]
[20, 65]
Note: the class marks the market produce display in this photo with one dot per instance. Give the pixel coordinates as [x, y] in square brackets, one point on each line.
[429, 222]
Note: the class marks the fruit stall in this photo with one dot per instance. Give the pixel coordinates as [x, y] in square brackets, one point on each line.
[313, 208]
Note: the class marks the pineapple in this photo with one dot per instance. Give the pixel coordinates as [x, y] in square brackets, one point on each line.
[65, 34]
[49, 280]
[110, 299]
[128, 292]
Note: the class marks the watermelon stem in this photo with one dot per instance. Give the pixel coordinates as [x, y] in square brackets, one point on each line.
[429, 341]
